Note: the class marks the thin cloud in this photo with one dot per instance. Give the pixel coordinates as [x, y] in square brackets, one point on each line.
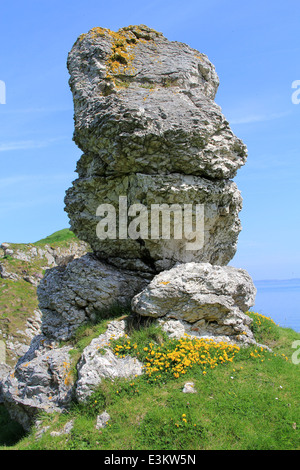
[258, 118]
[48, 109]
[27, 144]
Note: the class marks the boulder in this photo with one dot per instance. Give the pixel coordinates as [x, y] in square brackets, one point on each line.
[189, 387]
[102, 420]
[98, 362]
[43, 378]
[81, 291]
[216, 232]
[41, 381]
[144, 104]
[205, 300]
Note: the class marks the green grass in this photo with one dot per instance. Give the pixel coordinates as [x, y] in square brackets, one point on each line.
[57, 237]
[18, 299]
[251, 403]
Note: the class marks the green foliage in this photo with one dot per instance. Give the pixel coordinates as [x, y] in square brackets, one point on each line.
[57, 237]
[264, 328]
[171, 430]
[249, 403]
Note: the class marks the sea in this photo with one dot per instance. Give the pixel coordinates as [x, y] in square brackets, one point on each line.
[279, 300]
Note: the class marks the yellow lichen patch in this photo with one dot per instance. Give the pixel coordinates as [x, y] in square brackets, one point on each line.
[68, 376]
[199, 57]
[120, 61]
[122, 56]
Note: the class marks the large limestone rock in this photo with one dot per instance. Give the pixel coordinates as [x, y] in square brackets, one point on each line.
[146, 120]
[221, 201]
[152, 135]
[206, 300]
[72, 295]
[145, 104]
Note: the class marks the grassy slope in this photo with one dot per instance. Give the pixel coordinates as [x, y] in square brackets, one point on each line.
[18, 299]
[251, 403]
[59, 237]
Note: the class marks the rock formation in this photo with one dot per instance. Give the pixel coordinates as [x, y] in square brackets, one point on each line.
[146, 120]
[41, 381]
[154, 142]
[98, 362]
[77, 293]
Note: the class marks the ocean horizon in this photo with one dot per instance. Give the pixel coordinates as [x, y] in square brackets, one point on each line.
[279, 299]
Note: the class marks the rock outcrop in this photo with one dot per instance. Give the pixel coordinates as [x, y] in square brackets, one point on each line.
[154, 200]
[41, 381]
[144, 104]
[72, 295]
[221, 226]
[146, 120]
[52, 255]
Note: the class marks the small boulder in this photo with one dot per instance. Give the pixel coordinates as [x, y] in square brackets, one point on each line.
[189, 387]
[102, 420]
[206, 300]
[98, 362]
[41, 381]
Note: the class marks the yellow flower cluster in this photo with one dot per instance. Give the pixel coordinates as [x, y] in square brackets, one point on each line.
[259, 318]
[179, 355]
[259, 354]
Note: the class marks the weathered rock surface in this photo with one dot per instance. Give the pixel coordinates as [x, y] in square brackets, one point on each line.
[102, 420]
[41, 381]
[40, 429]
[53, 256]
[189, 387]
[206, 300]
[221, 202]
[4, 371]
[76, 293]
[98, 362]
[4, 274]
[150, 130]
[145, 104]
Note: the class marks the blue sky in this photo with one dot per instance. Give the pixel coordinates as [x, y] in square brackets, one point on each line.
[255, 48]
